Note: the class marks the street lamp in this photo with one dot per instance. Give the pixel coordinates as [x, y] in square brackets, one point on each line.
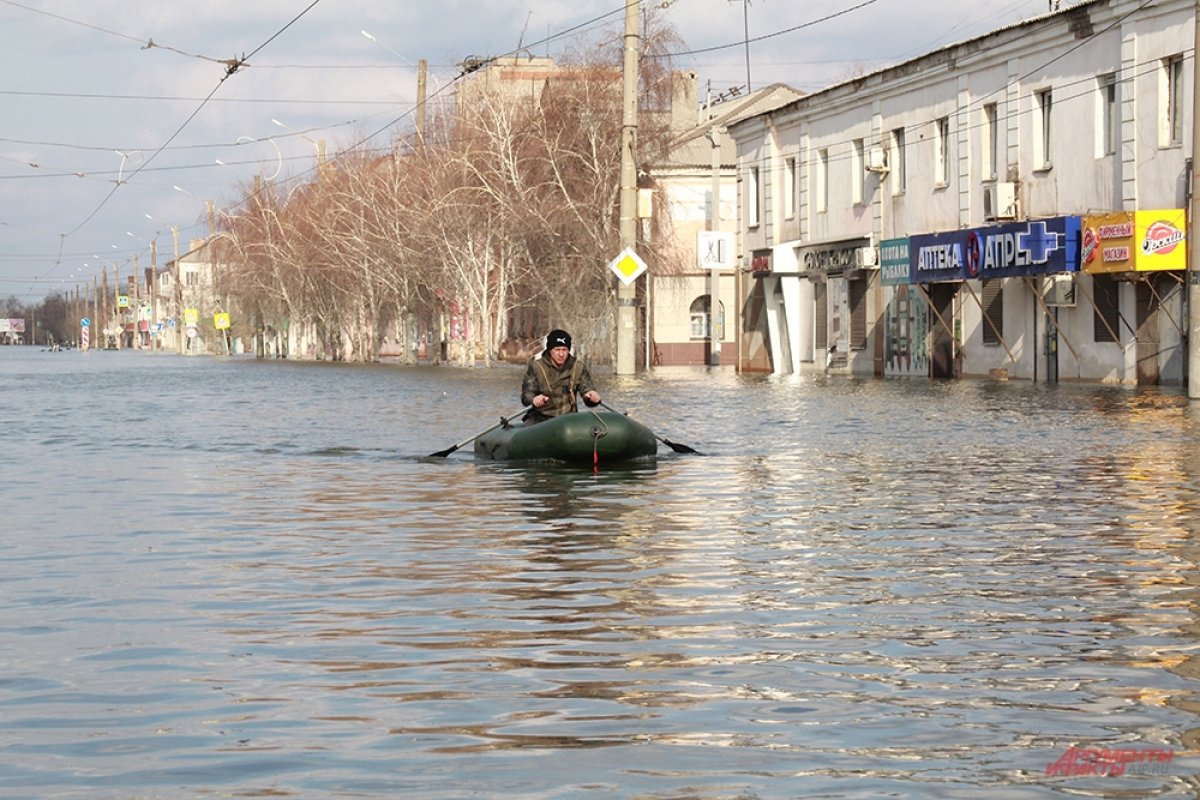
[420, 118]
[390, 50]
[320, 146]
[240, 140]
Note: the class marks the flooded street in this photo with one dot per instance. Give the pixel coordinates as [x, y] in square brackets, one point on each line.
[229, 578]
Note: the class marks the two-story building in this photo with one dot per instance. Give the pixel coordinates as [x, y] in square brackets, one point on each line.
[943, 217]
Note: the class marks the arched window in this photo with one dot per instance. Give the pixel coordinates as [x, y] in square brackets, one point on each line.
[699, 314]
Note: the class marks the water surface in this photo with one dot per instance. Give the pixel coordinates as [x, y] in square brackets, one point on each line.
[229, 578]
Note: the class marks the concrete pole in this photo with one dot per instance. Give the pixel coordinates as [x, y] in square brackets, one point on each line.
[117, 315]
[422, 71]
[135, 303]
[155, 343]
[1193, 282]
[714, 275]
[178, 291]
[627, 295]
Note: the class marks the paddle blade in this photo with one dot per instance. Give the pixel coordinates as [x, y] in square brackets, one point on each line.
[444, 453]
[681, 448]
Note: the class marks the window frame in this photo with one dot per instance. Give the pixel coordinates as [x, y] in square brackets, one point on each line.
[941, 139]
[753, 219]
[1108, 115]
[991, 142]
[1043, 141]
[896, 152]
[821, 181]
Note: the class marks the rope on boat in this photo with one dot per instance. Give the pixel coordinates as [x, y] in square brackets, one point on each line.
[599, 431]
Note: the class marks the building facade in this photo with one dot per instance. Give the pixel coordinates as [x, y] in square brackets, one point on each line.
[934, 218]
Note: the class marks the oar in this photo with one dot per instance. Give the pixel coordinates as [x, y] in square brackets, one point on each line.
[503, 421]
[678, 448]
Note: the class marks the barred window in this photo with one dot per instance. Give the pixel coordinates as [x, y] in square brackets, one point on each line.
[858, 314]
[993, 310]
[1105, 293]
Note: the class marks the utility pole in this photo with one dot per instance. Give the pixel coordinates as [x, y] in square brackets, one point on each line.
[422, 69]
[178, 288]
[154, 341]
[627, 295]
[117, 315]
[714, 225]
[1193, 273]
[135, 305]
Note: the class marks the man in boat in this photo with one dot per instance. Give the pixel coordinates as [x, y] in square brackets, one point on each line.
[553, 378]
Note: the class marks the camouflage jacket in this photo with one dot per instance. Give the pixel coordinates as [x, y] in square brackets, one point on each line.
[560, 385]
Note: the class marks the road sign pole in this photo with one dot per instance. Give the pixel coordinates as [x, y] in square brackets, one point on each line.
[626, 294]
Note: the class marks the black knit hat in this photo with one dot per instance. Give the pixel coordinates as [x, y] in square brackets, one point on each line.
[558, 338]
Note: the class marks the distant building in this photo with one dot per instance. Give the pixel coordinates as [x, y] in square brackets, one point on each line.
[701, 153]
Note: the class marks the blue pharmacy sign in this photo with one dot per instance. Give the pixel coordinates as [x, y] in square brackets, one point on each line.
[1015, 249]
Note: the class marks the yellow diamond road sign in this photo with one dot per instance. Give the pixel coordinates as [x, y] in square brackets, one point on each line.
[627, 266]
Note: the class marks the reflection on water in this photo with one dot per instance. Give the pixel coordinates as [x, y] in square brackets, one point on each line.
[228, 578]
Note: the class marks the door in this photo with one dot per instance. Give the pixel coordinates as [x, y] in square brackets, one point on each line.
[941, 333]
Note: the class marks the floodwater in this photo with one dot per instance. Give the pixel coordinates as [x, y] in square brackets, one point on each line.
[230, 578]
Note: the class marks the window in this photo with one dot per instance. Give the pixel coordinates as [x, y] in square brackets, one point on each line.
[991, 143]
[858, 313]
[858, 168]
[752, 197]
[1108, 116]
[1173, 102]
[789, 188]
[821, 190]
[993, 310]
[941, 142]
[699, 316]
[191, 278]
[1106, 315]
[1042, 105]
[896, 159]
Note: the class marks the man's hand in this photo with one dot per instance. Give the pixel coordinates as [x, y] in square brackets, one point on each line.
[540, 400]
[592, 398]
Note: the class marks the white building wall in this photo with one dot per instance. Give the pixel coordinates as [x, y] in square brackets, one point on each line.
[1064, 53]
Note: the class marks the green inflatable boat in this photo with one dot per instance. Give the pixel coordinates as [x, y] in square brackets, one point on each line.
[588, 437]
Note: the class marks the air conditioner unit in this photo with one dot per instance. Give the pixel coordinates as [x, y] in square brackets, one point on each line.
[865, 257]
[1059, 291]
[1000, 201]
[877, 159]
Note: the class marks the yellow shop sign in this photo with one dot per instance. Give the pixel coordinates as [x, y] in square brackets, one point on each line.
[1134, 241]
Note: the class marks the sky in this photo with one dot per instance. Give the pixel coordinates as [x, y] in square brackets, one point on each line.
[121, 120]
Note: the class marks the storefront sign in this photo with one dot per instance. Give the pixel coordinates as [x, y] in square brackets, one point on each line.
[832, 259]
[1134, 241]
[894, 261]
[760, 261]
[1034, 247]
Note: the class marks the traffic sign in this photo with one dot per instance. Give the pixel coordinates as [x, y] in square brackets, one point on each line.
[627, 266]
[714, 250]
[85, 322]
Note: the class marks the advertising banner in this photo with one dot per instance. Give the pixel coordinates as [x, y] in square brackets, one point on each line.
[894, 261]
[1014, 249]
[1134, 241]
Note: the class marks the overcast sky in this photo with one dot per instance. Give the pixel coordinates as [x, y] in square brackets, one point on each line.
[115, 114]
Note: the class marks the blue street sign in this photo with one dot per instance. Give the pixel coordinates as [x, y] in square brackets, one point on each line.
[85, 322]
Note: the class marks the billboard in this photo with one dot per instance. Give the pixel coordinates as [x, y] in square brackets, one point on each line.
[1134, 241]
[1014, 249]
